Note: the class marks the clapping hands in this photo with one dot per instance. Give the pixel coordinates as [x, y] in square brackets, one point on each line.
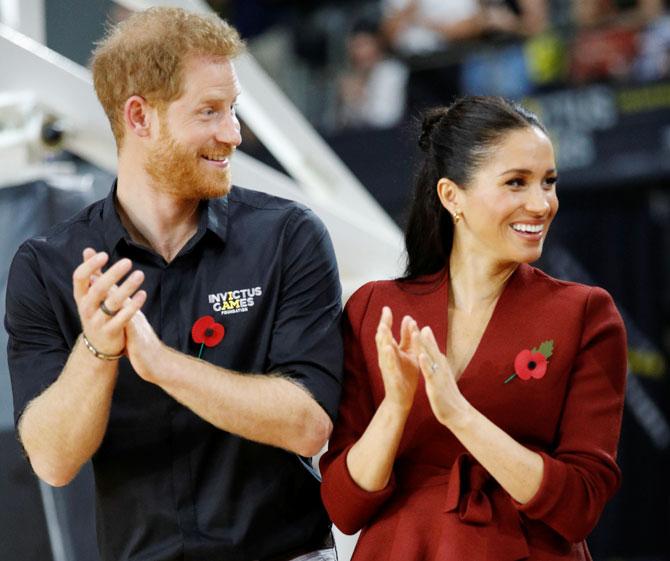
[417, 353]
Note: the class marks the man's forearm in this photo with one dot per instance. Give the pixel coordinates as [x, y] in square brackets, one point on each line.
[264, 408]
[63, 427]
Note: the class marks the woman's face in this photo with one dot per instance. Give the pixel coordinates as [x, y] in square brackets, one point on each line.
[510, 202]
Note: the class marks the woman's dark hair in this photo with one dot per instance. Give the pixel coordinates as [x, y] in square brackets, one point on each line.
[455, 140]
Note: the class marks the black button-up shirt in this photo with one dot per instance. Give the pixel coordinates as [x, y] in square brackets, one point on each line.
[169, 485]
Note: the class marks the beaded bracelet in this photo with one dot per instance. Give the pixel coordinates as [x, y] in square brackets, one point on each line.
[97, 353]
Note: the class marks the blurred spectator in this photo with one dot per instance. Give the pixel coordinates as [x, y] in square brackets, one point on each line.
[629, 13]
[418, 27]
[607, 44]
[432, 35]
[497, 71]
[372, 90]
[653, 62]
[517, 18]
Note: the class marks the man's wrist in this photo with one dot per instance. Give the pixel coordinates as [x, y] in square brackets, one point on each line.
[98, 354]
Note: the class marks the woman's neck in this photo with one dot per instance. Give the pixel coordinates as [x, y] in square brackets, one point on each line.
[476, 281]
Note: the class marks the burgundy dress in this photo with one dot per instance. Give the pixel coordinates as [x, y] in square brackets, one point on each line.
[440, 504]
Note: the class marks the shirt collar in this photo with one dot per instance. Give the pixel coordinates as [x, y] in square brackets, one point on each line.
[113, 229]
[215, 211]
[213, 217]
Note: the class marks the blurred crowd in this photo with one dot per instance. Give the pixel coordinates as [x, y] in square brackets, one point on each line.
[349, 63]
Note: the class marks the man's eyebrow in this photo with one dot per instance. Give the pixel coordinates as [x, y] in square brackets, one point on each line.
[216, 98]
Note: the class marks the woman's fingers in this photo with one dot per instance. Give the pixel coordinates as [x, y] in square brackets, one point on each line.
[429, 345]
[387, 317]
[407, 327]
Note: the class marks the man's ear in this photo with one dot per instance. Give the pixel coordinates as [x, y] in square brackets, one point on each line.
[448, 193]
[137, 116]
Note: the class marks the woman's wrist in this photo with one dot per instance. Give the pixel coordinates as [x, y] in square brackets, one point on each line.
[460, 416]
[395, 409]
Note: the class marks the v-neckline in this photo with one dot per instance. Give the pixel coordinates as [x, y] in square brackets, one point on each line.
[490, 325]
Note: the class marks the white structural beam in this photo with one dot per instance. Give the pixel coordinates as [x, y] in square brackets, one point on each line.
[25, 16]
[299, 148]
[62, 88]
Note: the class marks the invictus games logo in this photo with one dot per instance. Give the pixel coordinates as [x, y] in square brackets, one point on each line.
[234, 301]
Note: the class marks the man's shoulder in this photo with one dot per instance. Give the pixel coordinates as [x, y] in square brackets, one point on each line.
[262, 201]
[79, 227]
[262, 209]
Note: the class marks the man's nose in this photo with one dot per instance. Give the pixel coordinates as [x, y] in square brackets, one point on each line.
[228, 131]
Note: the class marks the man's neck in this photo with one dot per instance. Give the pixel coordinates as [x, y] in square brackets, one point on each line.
[155, 219]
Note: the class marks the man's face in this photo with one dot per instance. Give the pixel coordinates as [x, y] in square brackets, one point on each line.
[199, 132]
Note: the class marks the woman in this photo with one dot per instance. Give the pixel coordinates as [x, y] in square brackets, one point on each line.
[485, 425]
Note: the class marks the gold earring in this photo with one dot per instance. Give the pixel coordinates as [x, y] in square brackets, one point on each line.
[457, 217]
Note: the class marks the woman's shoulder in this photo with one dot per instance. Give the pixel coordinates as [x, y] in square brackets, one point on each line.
[397, 288]
[562, 292]
[361, 298]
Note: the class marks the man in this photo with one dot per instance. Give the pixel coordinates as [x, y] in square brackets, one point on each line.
[194, 411]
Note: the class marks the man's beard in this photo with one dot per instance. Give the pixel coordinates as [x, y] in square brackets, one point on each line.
[181, 172]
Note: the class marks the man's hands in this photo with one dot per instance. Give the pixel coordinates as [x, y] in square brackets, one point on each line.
[142, 346]
[92, 288]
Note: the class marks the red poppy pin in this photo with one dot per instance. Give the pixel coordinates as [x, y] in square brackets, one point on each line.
[207, 332]
[532, 363]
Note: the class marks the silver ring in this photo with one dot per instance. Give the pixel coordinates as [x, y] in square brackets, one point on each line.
[433, 367]
[106, 310]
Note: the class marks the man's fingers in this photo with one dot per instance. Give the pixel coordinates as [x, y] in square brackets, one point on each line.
[127, 311]
[98, 290]
[117, 294]
[82, 274]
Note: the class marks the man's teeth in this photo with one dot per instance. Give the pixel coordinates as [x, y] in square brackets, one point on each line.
[531, 228]
[215, 158]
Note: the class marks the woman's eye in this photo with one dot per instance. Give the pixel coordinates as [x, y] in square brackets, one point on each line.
[516, 182]
[551, 181]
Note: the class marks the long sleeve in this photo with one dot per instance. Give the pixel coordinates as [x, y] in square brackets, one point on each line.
[349, 506]
[581, 475]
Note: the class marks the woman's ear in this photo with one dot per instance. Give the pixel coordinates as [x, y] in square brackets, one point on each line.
[447, 191]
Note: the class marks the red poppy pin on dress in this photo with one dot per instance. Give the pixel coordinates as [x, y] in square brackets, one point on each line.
[207, 332]
[532, 363]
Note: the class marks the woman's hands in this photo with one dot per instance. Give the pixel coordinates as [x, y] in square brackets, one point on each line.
[398, 362]
[402, 362]
[446, 400]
